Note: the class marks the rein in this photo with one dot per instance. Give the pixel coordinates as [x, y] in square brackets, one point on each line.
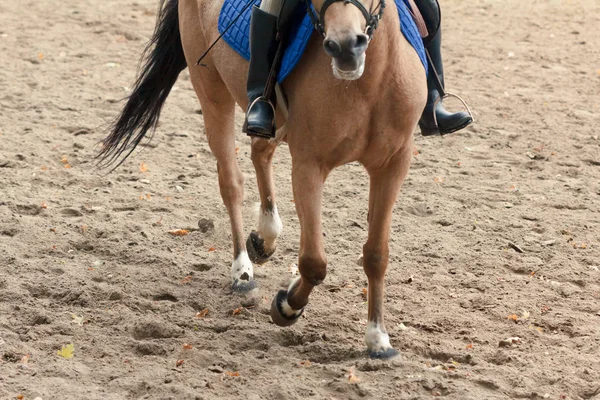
[372, 19]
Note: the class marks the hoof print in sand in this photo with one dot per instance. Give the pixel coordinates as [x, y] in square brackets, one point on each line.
[154, 330]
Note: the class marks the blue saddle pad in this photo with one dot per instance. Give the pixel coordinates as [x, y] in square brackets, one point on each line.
[238, 35]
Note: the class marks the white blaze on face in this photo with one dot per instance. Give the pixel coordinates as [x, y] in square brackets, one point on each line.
[376, 339]
[269, 227]
[242, 268]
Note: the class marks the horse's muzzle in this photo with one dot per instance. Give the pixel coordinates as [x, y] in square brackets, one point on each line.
[348, 54]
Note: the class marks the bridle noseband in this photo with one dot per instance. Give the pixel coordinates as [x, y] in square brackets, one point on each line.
[372, 19]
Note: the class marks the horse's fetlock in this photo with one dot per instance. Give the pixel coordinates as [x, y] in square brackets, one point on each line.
[313, 269]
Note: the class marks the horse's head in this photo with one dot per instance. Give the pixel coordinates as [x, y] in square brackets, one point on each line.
[347, 27]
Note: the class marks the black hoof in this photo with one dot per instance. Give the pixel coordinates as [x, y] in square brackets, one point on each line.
[279, 318]
[384, 354]
[256, 248]
[241, 286]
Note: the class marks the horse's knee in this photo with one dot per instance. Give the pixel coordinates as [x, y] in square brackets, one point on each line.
[375, 260]
[231, 183]
[313, 268]
[262, 152]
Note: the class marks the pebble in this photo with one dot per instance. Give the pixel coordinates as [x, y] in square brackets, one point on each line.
[145, 181]
[179, 188]
[205, 225]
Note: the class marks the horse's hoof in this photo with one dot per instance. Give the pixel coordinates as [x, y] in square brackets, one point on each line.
[277, 314]
[256, 248]
[241, 286]
[387, 354]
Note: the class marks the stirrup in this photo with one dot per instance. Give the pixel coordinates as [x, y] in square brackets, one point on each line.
[259, 134]
[445, 96]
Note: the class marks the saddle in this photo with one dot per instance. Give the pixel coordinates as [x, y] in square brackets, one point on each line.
[234, 26]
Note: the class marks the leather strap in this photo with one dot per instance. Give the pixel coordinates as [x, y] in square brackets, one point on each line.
[418, 18]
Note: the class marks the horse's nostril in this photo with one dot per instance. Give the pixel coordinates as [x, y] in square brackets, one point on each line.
[332, 47]
[362, 41]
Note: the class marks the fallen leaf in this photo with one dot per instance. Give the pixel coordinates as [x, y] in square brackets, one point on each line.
[202, 313]
[25, 359]
[438, 179]
[187, 346]
[232, 374]
[514, 317]
[44, 206]
[179, 232]
[237, 150]
[237, 311]
[143, 167]
[352, 378]
[212, 249]
[416, 152]
[179, 363]
[470, 346]
[525, 314]
[44, 168]
[20, 397]
[306, 363]
[77, 319]
[365, 293]
[187, 280]
[66, 351]
[67, 166]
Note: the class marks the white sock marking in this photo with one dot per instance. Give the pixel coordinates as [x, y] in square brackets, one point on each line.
[376, 339]
[288, 311]
[269, 227]
[242, 265]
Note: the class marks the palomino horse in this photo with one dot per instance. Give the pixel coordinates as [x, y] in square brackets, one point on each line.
[365, 110]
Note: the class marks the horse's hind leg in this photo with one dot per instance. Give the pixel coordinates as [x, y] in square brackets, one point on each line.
[218, 109]
[385, 185]
[261, 244]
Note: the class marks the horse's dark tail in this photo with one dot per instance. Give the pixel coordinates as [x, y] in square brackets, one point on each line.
[163, 60]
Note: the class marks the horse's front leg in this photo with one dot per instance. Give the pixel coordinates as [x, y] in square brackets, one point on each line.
[262, 243]
[307, 182]
[385, 185]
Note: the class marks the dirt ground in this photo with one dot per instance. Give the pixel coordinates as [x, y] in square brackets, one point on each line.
[495, 236]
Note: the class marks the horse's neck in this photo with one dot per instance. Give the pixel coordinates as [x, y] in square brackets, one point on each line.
[386, 50]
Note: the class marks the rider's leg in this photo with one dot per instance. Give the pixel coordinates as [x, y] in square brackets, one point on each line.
[447, 122]
[267, 33]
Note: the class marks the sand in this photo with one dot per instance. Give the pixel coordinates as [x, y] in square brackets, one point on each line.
[495, 236]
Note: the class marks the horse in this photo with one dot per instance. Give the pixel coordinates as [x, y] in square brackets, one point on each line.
[356, 95]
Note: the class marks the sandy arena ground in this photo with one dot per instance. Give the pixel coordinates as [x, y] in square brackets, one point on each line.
[495, 236]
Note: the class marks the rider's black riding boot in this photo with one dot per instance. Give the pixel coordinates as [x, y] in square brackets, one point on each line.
[267, 40]
[447, 122]
[260, 116]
